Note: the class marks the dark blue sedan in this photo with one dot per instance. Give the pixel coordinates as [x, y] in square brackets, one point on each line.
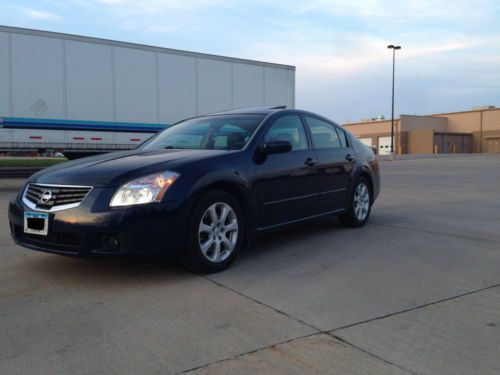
[200, 189]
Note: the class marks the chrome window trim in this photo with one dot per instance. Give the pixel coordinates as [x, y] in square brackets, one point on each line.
[33, 206]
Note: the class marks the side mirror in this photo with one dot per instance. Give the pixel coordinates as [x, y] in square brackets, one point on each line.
[277, 147]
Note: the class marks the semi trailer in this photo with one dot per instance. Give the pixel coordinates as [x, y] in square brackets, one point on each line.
[72, 138]
[80, 94]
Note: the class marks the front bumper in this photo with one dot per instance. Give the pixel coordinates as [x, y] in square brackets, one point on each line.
[94, 228]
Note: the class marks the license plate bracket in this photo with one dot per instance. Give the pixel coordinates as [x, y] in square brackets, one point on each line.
[36, 223]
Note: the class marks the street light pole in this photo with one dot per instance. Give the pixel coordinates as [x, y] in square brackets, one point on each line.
[394, 48]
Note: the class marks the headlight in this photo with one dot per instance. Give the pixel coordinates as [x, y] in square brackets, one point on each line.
[144, 190]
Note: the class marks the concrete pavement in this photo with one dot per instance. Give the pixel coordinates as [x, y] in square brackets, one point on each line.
[415, 291]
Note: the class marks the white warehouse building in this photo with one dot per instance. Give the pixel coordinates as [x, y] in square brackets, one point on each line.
[47, 76]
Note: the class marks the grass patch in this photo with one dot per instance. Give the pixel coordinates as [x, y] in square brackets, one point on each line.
[27, 162]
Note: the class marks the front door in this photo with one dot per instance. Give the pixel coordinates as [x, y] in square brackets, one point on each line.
[287, 184]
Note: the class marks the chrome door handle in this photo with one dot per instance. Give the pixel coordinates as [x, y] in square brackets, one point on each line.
[311, 162]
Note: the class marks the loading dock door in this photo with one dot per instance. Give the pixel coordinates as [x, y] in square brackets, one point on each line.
[384, 145]
[453, 143]
[366, 141]
[493, 145]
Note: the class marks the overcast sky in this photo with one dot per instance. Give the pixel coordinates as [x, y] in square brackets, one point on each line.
[450, 57]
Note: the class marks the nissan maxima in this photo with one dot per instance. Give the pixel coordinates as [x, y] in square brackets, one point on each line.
[201, 189]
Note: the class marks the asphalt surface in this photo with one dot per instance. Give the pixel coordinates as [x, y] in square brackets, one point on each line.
[417, 291]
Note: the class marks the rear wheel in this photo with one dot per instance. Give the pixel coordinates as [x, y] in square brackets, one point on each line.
[215, 233]
[358, 211]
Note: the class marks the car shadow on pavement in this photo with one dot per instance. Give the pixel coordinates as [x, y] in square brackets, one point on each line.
[299, 235]
[103, 270]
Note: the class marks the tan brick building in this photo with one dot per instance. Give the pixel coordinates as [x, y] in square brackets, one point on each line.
[474, 131]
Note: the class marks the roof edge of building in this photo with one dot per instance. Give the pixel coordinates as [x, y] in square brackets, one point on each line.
[468, 111]
[433, 115]
[369, 122]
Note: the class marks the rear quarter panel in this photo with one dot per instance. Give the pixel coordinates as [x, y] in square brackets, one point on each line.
[366, 162]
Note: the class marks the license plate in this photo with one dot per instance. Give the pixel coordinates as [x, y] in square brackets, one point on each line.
[36, 223]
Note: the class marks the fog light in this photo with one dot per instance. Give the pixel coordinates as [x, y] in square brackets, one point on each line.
[110, 242]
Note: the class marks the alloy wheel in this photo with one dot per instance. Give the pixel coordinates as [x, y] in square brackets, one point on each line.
[218, 232]
[361, 201]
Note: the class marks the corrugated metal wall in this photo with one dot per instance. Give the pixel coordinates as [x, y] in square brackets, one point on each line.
[58, 76]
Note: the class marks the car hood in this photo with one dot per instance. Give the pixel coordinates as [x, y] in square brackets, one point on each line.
[115, 169]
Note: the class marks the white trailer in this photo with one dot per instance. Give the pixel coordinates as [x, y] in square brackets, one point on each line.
[73, 138]
[73, 80]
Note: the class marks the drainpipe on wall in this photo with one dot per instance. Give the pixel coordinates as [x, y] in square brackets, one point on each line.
[481, 133]
[398, 137]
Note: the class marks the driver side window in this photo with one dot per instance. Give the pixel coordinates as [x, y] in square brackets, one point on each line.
[288, 128]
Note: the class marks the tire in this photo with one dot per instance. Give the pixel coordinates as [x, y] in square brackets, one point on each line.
[215, 234]
[359, 208]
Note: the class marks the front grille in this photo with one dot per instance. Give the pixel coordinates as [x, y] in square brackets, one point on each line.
[47, 197]
[58, 241]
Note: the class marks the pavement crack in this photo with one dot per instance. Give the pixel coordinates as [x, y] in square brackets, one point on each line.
[415, 308]
[316, 329]
[344, 341]
[249, 352]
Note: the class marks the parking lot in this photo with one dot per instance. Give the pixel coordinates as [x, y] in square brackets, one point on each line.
[415, 291]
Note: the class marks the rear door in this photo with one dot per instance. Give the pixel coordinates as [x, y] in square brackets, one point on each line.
[336, 159]
[287, 184]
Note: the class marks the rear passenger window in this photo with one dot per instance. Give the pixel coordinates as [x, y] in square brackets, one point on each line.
[343, 138]
[323, 134]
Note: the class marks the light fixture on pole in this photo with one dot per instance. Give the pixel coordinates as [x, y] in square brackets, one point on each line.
[394, 48]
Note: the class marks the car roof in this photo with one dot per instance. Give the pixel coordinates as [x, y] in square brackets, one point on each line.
[253, 110]
[264, 111]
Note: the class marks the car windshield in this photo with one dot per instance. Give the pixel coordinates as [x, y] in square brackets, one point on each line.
[226, 132]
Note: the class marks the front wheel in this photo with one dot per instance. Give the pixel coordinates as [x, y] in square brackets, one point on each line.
[358, 210]
[215, 233]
